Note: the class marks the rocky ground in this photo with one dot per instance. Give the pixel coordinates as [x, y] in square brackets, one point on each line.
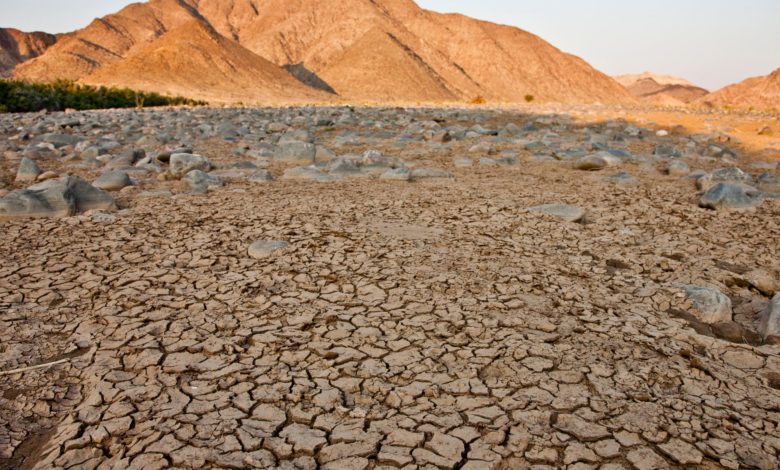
[458, 289]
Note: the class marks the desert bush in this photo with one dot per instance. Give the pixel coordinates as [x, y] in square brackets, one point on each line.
[478, 100]
[529, 98]
[19, 96]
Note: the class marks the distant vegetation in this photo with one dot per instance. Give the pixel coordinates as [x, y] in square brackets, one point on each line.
[477, 100]
[18, 96]
[529, 98]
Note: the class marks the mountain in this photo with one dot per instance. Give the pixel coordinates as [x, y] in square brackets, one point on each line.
[663, 90]
[213, 68]
[758, 92]
[364, 50]
[17, 47]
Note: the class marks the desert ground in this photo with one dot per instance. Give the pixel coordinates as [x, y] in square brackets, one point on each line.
[377, 288]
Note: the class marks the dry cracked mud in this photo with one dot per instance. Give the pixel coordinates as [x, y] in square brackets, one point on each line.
[432, 324]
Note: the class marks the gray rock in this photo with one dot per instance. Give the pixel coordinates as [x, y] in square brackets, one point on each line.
[709, 305]
[183, 163]
[590, 163]
[463, 162]
[566, 212]
[346, 167]
[678, 168]
[264, 248]
[730, 196]
[261, 176]
[311, 173]
[54, 198]
[770, 319]
[398, 174]
[200, 182]
[430, 173]
[296, 151]
[28, 171]
[61, 140]
[112, 181]
[623, 179]
[723, 175]
[768, 183]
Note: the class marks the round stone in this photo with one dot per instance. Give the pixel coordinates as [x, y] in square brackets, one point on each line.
[562, 211]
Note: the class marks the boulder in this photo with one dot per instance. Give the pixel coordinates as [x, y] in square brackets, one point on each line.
[200, 182]
[311, 173]
[566, 212]
[730, 196]
[678, 168]
[623, 179]
[723, 175]
[112, 181]
[28, 171]
[264, 248]
[296, 151]
[346, 167]
[397, 174]
[768, 183]
[709, 305]
[261, 176]
[183, 163]
[769, 327]
[591, 163]
[54, 198]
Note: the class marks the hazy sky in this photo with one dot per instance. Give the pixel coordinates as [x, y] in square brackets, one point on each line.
[710, 42]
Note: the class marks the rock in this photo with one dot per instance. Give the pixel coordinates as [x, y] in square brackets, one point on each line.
[398, 174]
[709, 305]
[28, 171]
[430, 173]
[54, 198]
[112, 181]
[200, 182]
[296, 151]
[463, 162]
[644, 458]
[61, 140]
[723, 175]
[183, 163]
[562, 211]
[770, 320]
[346, 167]
[664, 150]
[264, 248]
[590, 163]
[763, 281]
[623, 179]
[311, 173]
[768, 183]
[678, 168]
[261, 176]
[730, 196]
[47, 175]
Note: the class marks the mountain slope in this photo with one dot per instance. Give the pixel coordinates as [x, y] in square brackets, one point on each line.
[213, 68]
[17, 47]
[661, 89]
[756, 92]
[415, 55]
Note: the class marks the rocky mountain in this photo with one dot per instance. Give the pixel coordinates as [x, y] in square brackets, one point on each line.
[17, 47]
[661, 89]
[363, 50]
[757, 92]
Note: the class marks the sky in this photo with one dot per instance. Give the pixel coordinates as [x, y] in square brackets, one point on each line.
[712, 43]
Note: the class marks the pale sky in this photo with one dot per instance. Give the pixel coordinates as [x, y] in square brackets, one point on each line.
[710, 42]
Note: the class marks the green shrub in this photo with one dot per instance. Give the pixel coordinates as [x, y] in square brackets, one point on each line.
[18, 96]
[529, 98]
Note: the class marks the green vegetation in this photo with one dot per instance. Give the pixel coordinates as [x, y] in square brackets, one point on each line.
[529, 98]
[17, 96]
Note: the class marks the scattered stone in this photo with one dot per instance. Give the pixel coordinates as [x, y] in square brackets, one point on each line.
[200, 182]
[311, 173]
[262, 249]
[183, 163]
[54, 198]
[590, 163]
[112, 181]
[28, 171]
[678, 168]
[730, 196]
[709, 305]
[261, 176]
[296, 151]
[770, 321]
[419, 174]
[562, 211]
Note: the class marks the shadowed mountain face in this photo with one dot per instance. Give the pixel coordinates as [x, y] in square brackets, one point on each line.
[367, 50]
[661, 89]
[17, 47]
[759, 92]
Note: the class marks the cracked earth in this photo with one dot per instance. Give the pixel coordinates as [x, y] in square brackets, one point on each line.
[432, 324]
